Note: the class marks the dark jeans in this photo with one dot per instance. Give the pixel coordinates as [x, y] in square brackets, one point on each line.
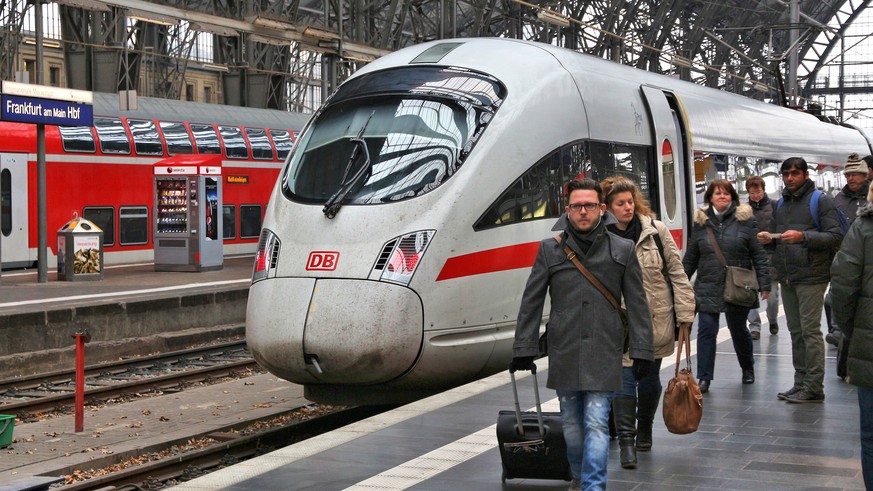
[707, 332]
[865, 404]
[647, 387]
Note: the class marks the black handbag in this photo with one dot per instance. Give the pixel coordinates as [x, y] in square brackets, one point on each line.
[740, 284]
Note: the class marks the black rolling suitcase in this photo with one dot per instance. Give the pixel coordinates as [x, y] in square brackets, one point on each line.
[531, 443]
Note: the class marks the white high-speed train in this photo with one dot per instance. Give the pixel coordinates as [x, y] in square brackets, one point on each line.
[400, 234]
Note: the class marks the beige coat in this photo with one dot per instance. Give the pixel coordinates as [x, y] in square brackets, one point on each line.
[661, 303]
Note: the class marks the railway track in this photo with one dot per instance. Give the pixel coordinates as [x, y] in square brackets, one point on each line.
[227, 447]
[163, 372]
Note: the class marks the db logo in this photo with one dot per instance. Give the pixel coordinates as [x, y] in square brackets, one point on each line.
[322, 261]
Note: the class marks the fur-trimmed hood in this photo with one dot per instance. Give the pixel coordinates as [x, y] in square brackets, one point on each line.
[865, 211]
[743, 213]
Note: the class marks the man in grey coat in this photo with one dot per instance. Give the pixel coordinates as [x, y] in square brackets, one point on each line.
[585, 333]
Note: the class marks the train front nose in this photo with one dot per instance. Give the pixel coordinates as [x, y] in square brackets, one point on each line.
[308, 330]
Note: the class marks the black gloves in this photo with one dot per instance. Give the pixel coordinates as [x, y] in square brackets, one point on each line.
[521, 363]
[640, 368]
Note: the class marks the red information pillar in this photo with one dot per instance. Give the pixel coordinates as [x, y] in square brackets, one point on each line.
[82, 337]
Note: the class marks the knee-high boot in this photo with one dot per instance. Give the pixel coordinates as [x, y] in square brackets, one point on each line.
[647, 406]
[625, 418]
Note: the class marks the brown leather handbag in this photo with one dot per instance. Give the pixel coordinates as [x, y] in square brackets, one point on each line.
[683, 401]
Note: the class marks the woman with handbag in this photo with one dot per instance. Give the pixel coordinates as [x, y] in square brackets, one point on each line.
[671, 300]
[731, 268]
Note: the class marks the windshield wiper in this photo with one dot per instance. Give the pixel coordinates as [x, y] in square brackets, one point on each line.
[335, 202]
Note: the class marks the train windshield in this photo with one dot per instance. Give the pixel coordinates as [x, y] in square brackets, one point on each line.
[391, 135]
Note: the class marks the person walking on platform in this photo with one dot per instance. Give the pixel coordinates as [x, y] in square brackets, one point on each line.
[585, 332]
[671, 300]
[762, 206]
[850, 199]
[803, 247]
[725, 228]
[852, 297]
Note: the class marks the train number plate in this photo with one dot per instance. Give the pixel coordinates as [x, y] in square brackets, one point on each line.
[322, 261]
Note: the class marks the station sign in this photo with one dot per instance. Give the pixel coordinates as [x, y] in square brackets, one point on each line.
[28, 103]
[46, 111]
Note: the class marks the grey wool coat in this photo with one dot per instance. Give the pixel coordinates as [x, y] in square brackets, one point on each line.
[585, 334]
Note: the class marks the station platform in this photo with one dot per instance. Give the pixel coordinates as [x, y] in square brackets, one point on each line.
[129, 304]
[20, 292]
[748, 440]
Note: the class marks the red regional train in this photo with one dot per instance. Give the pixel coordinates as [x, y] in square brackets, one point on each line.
[105, 172]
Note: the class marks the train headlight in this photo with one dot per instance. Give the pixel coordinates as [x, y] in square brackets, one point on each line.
[400, 256]
[267, 256]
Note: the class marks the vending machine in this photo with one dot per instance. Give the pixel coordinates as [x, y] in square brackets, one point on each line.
[187, 218]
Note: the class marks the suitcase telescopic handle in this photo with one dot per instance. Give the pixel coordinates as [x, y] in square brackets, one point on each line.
[520, 426]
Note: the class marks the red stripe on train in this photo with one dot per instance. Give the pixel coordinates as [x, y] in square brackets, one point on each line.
[502, 259]
[490, 261]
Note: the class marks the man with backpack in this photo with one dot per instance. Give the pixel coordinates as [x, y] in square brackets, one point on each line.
[805, 232]
[851, 197]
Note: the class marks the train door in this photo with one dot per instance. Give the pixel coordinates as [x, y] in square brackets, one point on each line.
[672, 151]
[13, 210]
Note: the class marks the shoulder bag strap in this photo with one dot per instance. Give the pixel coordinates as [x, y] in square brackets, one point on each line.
[571, 255]
[664, 269]
[716, 247]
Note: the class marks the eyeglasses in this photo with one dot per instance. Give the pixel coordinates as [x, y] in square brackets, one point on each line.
[589, 207]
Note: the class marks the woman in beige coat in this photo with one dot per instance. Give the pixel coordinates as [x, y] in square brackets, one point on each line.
[671, 300]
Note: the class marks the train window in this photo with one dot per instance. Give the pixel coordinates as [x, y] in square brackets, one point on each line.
[103, 217]
[177, 138]
[234, 143]
[77, 139]
[133, 225]
[206, 139]
[391, 135]
[283, 141]
[631, 161]
[539, 193]
[6, 202]
[261, 148]
[249, 221]
[112, 135]
[229, 224]
[146, 140]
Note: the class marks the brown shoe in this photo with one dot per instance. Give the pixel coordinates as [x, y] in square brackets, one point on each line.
[756, 335]
[804, 397]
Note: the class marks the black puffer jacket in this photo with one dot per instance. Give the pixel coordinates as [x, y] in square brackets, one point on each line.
[852, 293]
[809, 262]
[736, 234]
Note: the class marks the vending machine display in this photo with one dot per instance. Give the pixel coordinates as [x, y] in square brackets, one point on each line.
[172, 206]
[187, 225]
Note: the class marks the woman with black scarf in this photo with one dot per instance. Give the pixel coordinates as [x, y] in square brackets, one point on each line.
[671, 300]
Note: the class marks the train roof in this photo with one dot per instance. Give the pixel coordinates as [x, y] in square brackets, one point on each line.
[106, 104]
[720, 122]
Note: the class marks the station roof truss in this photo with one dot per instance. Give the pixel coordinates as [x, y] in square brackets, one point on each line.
[274, 52]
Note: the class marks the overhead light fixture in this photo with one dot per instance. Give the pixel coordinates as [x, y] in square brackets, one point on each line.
[85, 4]
[271, 23]
[359, 58]
[213, 29]
[268, 40]
[553, 18]
[218, 68]
[152, 18]
[680, 61]
[320, 33]
[760, 86]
